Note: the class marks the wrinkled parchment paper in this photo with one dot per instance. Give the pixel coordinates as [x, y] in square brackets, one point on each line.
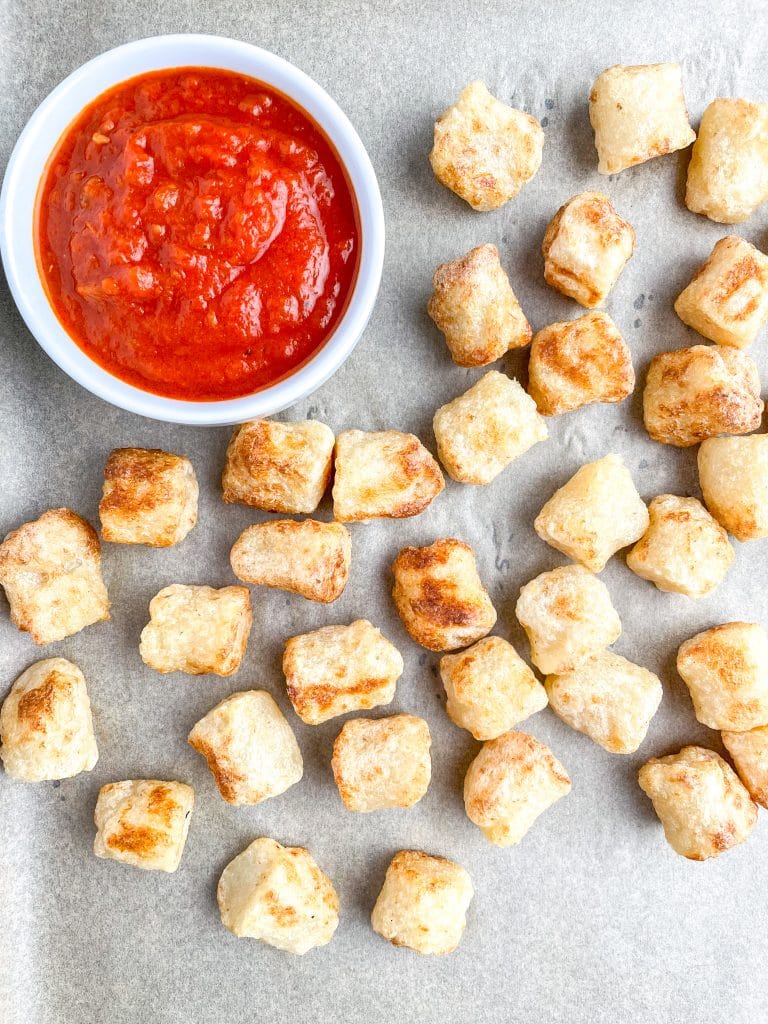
[593, 919]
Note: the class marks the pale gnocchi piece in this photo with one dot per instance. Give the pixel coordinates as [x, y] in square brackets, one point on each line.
[684, 550]
[586, 246]
[197, 630]
[726, 670]
[609, 699]
[440, 597]
[749, 751]
[576, 362]
[595, 514]
[490, 689]
[480, 432]
[733, 474]
[727, 299]
[51, 572]
[728, 172]
[249, 746]
[336, 669]
[695, 393]
[278, 895]
[382, 762]
[278, 467]
[704, 808]
[46, 729]
[143, 823]
[638, 112]
[149, 497]
[474, 306]
[382, 474]
[513, 780]
[423, 903]
[308, 558]
[568, 616]
[484, 150]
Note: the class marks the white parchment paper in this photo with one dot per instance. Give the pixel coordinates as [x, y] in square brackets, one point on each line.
[592, 919]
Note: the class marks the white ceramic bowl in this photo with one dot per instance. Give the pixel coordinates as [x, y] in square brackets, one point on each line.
[28, 160]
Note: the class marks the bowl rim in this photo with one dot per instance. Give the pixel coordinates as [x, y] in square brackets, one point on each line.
[43, 130]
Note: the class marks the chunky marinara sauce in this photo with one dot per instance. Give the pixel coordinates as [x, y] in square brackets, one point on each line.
[196, 234]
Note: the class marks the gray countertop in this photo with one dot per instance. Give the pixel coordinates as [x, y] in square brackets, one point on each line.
[592, 919]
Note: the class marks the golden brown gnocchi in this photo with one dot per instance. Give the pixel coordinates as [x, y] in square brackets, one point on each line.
[733, 473]
[576, 362]
[586, 246]
[480, 432]
[484, 150]
[474, 306]
[143, 823]
[638, 112]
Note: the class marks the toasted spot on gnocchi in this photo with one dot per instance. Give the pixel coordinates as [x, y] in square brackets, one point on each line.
[484, 150]
[704, 808]
[143, 823]
[586, 246]
[336, 669]
[638, 112]
[307, 558]
[577, 362]
[278, 467]
[423, 903]
[474, 306]
[482, 431]
[595, 514]
[695, 393]
[440, 597]
[513, 780]
[197, 629]
[50, 570]
[383, 474]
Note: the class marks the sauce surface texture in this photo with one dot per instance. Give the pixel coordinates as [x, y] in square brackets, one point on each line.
[196, 234]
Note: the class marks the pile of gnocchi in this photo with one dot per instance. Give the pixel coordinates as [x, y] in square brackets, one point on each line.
[708, 394]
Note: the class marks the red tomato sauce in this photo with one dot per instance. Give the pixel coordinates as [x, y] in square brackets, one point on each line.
[196, 234]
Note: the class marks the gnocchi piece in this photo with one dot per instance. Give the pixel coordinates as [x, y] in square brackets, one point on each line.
[149, 497]
[726, 670]
[733, 473]
[577, 362]
[474, 306]
[586, 246]
[704, 808]
[197, 630]
[250, 748]
[480, 432]
[684, 550]
[695, 393]
[278, 895]
[749, 751]
[382, 762]
[278, 467]
[489, 688]
[440, 597]
[568, 616]
[727, 299]
[46, 725]
[728, 172]
[51, 572]
[383, 474]
[308, 558]
[337, 669]
[513, 780]
[484, 150]
[609, 699]
[423, 903]
[637, 113]
[595, 514]
[143, 822]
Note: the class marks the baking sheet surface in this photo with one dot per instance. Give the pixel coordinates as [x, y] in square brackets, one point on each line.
[593, 919]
